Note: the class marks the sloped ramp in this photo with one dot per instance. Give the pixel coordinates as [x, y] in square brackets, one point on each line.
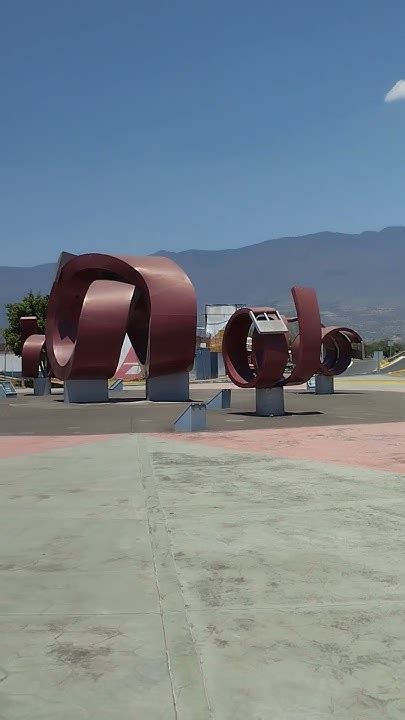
[361, 367]
[396, 364]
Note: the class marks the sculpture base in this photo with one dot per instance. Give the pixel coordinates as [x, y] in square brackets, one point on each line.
[270, 401]
[116, 386]
[86, 391]
[220, 401]
[324, 385]
[168, 388]
[42, 386]
[192, 419]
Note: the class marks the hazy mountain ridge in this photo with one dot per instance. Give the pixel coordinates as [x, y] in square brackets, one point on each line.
[359, 278]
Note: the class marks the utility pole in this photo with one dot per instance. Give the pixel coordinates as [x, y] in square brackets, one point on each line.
[5, 351]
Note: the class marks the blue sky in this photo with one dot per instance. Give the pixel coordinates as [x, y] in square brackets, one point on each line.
[133, 126]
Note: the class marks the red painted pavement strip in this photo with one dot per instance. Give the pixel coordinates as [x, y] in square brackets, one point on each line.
[379, 446]
[20, 445]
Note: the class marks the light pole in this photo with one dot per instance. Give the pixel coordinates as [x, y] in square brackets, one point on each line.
[5, 352]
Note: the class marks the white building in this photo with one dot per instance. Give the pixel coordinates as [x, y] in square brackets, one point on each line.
[10, 364]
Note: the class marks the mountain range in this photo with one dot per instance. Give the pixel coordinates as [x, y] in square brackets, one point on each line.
[359, 277]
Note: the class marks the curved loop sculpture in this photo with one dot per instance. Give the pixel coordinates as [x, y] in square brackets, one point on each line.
[337, 349]
[97, 299]
[271, 349]
[33, 347]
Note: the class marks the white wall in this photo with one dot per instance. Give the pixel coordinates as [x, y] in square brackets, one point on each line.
[10, 364]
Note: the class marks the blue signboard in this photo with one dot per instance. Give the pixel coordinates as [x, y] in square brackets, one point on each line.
[7, 389]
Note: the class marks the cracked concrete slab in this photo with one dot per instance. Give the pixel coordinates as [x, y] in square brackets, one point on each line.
[98, 666]
[168, 579]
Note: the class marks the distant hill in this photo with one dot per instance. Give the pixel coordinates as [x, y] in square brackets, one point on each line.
[359, 278]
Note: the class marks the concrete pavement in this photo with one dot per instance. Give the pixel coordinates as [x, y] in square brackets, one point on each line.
[80, 622]
[355, 402]
[233, 575]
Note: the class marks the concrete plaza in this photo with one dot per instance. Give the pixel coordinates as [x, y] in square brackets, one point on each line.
[253, 572]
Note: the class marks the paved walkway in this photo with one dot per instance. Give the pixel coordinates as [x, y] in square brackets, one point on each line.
[246, 576]
[128, 412]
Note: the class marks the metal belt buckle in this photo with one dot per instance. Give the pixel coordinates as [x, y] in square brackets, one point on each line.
[267, 323]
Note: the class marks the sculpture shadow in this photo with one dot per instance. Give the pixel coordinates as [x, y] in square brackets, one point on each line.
[251, 413]
[118, 399]
[337, 392]
[110, 401]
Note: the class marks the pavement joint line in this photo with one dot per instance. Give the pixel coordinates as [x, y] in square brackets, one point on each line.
[277, 607]
[258, 514]
[316, 506]
[78, 615]
[292, 607]
[187, 679]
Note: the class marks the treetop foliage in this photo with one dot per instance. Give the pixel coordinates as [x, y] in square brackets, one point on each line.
[32, 304]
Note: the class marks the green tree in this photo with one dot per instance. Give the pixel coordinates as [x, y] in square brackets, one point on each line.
[383, 346]
[31, 304]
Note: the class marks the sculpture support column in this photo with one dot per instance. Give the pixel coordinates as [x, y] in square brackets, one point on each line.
[86, 391]
[42, 386]
[168, 388]
[324, 385]
[270, 401]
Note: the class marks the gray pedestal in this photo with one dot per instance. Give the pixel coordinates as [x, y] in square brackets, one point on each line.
[42, 386]
[86, 391]
[168, 388]
[324, 385]
[7, 390]
[221, 366]
[116, 386]
[193, 419]
[270, 401]
[220, 401]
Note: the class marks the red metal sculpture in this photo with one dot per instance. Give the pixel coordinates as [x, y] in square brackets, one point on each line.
[34, 359]
[34, 355]
[97, 299]
[274, 358]
[338, 349]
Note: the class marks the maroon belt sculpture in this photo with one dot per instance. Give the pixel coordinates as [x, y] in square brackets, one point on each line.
[337, 349]
[274, 358]
[34, 358]
[97, 299]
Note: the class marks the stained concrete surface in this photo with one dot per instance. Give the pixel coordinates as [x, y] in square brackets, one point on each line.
[160, 579]
[354, 402]
[292, 580]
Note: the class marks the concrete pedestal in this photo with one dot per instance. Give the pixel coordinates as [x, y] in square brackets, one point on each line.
[86, 391]
[7, 390]
[221, 366]
[270, 402]
[220, 401]
[116, 386]
[192, 419]
[42, 386]
[168, 388]
[324, 385]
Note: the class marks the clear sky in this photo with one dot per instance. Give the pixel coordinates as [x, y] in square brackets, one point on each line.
[136, 125]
